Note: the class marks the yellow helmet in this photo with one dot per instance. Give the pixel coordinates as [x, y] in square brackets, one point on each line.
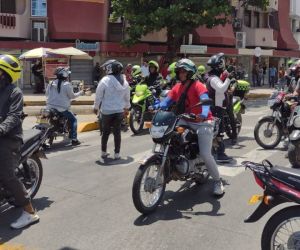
[11, 66]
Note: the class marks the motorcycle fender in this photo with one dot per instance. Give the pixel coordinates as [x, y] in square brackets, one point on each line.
[295, 135]
[263, 117]
[237, 107]
[150, 158]
[262, 209]
[137, 99]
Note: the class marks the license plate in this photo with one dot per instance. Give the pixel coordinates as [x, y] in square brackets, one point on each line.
[255, 198]
[147, 124]
[271, 102]
[42, 121]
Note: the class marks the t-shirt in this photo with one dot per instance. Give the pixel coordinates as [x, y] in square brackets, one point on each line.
[192, 97]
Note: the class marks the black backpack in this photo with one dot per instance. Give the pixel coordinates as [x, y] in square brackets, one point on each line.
[180, 105]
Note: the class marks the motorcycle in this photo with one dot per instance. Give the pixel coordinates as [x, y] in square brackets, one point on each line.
[56, 124]
[175, 156]
[143, 97]
[270, 129]
[294, 138]
[280, 185]
[30, 170]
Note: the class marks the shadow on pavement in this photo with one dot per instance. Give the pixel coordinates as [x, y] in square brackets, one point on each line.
[8, 214]
[180, 204]
[112, 162]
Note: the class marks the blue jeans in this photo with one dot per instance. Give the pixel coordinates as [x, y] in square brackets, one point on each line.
[73, 121]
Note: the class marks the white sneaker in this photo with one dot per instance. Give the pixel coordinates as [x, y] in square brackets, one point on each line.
[26, 219]
[219, 188]
[117, 156]
[104, 155]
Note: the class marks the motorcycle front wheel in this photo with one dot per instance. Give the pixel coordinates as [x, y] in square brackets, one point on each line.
[282, 230]
[268, 133]
[238, 122]
[148, 188]
[136, 121]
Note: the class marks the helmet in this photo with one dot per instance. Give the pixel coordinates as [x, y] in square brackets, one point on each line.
[62, 73]
[290, 63]
[11, 66]
[217, 61]
[153, 63]
[136, 70]
[201, 69]
[112, 67]
[171, 70]
[187, 65]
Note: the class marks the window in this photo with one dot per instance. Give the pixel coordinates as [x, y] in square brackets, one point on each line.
[247, 18]
[38, 7]
[8, 6]
[256, 20]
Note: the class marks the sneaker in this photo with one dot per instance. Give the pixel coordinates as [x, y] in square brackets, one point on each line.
[26, 219]
[117, 156]
[223, 158]
[218, 188]
[75, 142]
[233, 141]
[104, 155]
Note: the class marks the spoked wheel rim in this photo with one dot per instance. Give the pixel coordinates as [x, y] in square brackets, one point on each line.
[287, 235]
[137, 119]
[268, 133]
[32, 183]
[151, 187]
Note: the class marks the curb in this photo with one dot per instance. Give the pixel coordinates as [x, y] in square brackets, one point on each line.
[87, 126]
[43, 103]
[257, 96]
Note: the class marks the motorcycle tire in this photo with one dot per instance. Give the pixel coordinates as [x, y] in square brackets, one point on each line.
[258, 139]
[294, 154]
[228, 129]
[139, 128]
[136, 194]
[276, 220]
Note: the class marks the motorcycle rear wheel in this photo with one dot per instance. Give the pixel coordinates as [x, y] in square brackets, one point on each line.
[145, 188]
[136, 120]
[279, 232]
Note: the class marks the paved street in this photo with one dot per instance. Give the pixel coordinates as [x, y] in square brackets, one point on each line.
[84, 204]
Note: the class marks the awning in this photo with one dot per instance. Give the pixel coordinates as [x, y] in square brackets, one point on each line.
[286, 39]
[218, 35]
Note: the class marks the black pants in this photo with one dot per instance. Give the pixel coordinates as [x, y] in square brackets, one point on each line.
[219, 112]
[231, 117]
[111, 122]
[9, 158]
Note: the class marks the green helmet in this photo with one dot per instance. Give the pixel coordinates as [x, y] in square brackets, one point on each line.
[154, 63]
[290, 63]
[136, 71]
[171, 70]
[187, 65]
[201, 69]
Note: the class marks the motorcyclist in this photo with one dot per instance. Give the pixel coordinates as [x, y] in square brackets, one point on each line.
[137, 75]
[154, 79]
[290, 77]
[204, 125]
[11, 109]
[171, 78]
[201, 72]
[59, 95]
[217, 91]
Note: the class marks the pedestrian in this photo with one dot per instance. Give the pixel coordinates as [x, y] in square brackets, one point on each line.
[264, 73]
[128, 73]
[273, 73]
[11, 109]
[254, 75]
[37, 71]
[145, 69]
[282, 81]
[113, 101]
[260, 75]
[97, 73]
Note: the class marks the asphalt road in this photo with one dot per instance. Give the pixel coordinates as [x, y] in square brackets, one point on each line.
[85, 204]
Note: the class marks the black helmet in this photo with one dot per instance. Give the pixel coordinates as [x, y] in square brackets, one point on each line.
[217, 61]
[112, 67]
[187, 65]
[62, 73]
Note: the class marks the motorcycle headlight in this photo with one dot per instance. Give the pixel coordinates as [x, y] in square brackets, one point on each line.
[158, 131]
[296, 122]
[139, 93]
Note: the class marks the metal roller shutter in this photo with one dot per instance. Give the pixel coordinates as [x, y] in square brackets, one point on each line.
[82, 70]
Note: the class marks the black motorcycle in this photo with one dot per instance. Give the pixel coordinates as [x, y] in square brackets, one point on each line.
[294, 138]
[280, 185]
[175, 157]
[271, 129]
[30, 170]
[56, 124]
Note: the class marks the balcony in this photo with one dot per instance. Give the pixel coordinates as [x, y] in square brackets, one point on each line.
[273, 5]
[261, 37]
[297, 37]
[14, 26]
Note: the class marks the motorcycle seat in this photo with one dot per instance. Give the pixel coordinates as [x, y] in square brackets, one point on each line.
[288, 175]
[29, 137]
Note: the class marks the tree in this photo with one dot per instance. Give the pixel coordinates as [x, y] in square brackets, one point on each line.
[179, 17]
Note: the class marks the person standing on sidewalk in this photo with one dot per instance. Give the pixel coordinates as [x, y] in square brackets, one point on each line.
[113, 101]
[37, 71]
[273, 72]
[11, 138]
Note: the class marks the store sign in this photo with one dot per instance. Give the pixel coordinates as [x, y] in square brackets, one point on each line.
[87, 46]
[193, 49]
